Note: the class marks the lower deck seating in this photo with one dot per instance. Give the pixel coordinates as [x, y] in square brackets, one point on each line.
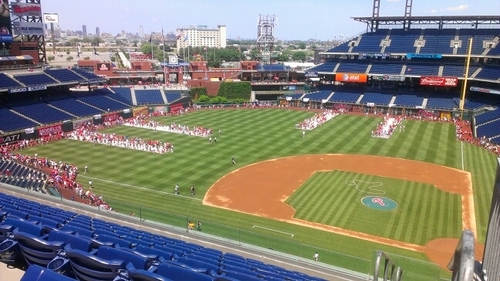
[85, 248]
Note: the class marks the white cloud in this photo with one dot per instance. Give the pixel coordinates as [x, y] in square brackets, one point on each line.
[433, 11]
[456, 8]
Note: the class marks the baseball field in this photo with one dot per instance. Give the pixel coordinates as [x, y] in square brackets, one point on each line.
[337, 190]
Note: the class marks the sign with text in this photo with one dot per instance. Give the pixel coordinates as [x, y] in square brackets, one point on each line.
[388, 77]
[351, 77]
[27, 28]
[26, 9]
[5, 26]
[28, 89]
[50, 130]
[10, 139]
[438, 81]
[50, 18]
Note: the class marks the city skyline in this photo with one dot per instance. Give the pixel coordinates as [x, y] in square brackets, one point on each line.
[301, 20]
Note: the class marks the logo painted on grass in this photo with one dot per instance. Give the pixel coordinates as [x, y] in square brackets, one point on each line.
[379, 203]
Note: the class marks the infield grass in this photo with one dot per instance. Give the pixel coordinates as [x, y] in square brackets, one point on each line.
[142, 183]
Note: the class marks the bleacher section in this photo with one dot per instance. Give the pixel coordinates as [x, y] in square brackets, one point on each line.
[488, 116]
[402, 43]
[43, 113]
[328, 67]
[172, 96]
[93, 249]
[102, 102]
[125, 93]
[489, 73]
[457, 70]
[65, 75]
[347, 97]
[370, 43]
[441, 101]
[489, 130]
[410, 100]
[386, 68]
[354, 67]
[16, 174]
[318, 96]
[91, 77]
[75, 107]
[376, 98]
[422, 69]
[7, 82]
[11, 121]
[35, 79]
[148, 97]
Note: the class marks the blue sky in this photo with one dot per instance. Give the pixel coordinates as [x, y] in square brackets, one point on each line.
[305, 19]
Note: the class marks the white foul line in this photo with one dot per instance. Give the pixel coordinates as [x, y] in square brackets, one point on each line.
[270, 229]
[462, 146]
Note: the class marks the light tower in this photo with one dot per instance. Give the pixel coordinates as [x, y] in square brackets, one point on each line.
[265, 36]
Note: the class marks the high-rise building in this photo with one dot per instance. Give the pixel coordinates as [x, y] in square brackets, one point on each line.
[141, 32]
[97, 32]
[84, 30]
[201, 36]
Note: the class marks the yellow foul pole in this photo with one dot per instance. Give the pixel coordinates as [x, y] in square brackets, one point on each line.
[464, 85]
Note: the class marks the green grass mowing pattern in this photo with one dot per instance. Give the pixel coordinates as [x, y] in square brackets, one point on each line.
[330, 198]
[252, 136]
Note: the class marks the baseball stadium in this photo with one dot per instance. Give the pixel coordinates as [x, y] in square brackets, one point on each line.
[380, 162]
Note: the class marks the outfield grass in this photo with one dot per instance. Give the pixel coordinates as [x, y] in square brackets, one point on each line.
[331, 199]
[128, 179]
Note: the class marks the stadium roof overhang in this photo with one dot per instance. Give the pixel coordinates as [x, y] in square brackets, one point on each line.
[374, 22]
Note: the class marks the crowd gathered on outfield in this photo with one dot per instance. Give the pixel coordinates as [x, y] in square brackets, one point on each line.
[64, 176]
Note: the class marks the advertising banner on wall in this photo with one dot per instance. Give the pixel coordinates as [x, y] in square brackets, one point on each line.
[351, 77]
[82, 122]
[438, 81]
[139, 111]
[10, 138]
[50, 130]
[388, 77]
[26, 9]
[27, 28]
[5, 27]
[174, 108]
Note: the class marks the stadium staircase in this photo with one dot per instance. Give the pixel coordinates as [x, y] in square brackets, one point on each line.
[368, 68]
[361, 96]
[403, 70]
[330, 95]
[424, 104]
[457, 38]
[419, 43]
[336, 67]
[487, 50]
[393, 100]
[440, 70]
[134, 98]
[163, 97]
[473, 75]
